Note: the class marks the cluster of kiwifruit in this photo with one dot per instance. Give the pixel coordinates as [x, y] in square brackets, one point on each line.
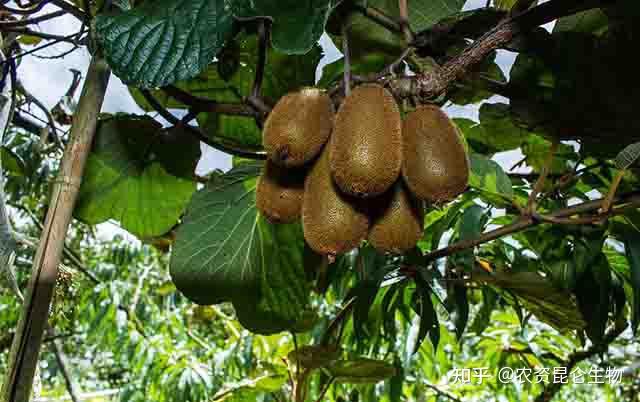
[361, 173]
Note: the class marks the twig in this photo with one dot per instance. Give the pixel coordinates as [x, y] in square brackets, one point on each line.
[7, 239]
[197, 132]
[71, 9]
[623, 202]
[36, 49]
[347, 60]
[30, 21]
[325, 389]
[379, 17]
[431, 84]
[31, 326]
[43, 35]
[205, 105]
[441, 392]
[342, 314]
[52, 124]
[263, 40]
[606, 204]
[404, 21]
[72, 387]
[612, 334]
[537, 188]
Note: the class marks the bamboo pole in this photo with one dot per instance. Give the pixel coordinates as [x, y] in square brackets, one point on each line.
[33, 320]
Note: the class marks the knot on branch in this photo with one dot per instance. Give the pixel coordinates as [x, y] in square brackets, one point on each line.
[426, 86]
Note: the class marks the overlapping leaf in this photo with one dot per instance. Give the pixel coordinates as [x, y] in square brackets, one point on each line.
[133, 176]
[226, 251]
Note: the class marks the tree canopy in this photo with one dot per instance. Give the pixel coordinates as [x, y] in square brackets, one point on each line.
[525, 287]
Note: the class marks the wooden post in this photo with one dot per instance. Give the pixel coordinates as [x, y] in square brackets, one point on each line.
[33, 320]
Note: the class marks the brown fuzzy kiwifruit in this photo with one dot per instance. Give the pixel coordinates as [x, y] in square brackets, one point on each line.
[366, 145]
[332, 222]
[298, 126]
[279, 193]
[398, 222]
[435, 163]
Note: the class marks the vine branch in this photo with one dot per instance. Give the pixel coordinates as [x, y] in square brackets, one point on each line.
[621, 204]
[431, 84]
[197, 133]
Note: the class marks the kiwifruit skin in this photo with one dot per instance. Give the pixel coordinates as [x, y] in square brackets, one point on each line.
[298, 126]
[279, 193]
[398, 223]
[435, 164]
[366, 145]
[333, 223]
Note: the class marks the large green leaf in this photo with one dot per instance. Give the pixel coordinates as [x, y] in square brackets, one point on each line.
[297, 24]
[226, 251]
[134, 176]
[163, 41]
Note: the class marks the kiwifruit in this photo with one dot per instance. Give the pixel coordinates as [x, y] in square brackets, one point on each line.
[435, 163]
[332, 222]
[279, 193]
[399, 221]
[298, 126]
[366, 145]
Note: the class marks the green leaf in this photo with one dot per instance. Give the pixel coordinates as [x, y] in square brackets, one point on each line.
[423, 306]
[458, 304]
[367, 38]
[500, 130]
[628, 156]
[632, 249]
[297, 24]
[593, 297]
[282, 300]
[226, 251]
[214, 253]
[472, 223]
[489, 178]
[537, 149]
[590, 21]
[134, 176]
[163, 41]
[425, 13]
[549, 304]
[483, 316]
[246, 390]
[12, 162]
[361, 370]
[313, 357]
[504, 4]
